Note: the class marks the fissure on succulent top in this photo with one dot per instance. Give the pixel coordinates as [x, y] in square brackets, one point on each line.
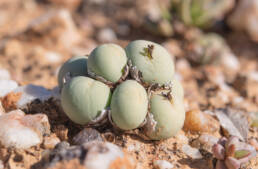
[152, 60]
[149, 91]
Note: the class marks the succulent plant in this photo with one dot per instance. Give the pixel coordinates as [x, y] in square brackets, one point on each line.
[231, 153]
[84, 100]
[177, 89]
[129, 105]
[107, 61]
[211, 48]
[202, 13]
[166, 115]
[151, 61]
[76, 66]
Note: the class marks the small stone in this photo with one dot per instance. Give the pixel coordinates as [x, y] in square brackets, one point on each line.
[53, 57]
[253, 76]
[22, 131]
[4, 74]
[106, 35]
[9, 102]
[245, 18]
[59, 26]
[61, 131]
[182, 138]
[206, 141]
[162, 164]
[191, 152]
[230, 61]
[6, 86]
[135, 147]
[51, 141]
[62, 145]
[87, 135]
[197, 121]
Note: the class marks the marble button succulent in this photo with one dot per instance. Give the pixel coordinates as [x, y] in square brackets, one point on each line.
[129, 105]
[166, 116]
[76, 66]
[149, 98]
[152, 60]
[108, 61]
[83, 99]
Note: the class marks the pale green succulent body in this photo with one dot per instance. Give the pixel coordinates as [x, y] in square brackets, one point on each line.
[76, 66]
[166, 117]
[177, 89]
[152, 60]
[129, 105]
[108, 61]
[83, 99]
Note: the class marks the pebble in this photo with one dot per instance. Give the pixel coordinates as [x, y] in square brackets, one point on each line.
[53, 57]
[7, 86]
[162, 164]
[64, 32]
[245, 17]
[22, 131]
[87, 135]
[253, 76]
[69, 35]
[92, 155]
[192, 152]
[4, 74]
[106, 35]
[197, 121]
[51, 141]
[182, 138]
[230, 61]
[206, 141]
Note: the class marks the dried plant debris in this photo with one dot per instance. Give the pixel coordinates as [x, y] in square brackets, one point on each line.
[231, 153]
[233, 122]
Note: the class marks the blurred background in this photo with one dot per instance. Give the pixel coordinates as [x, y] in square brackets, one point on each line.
[37, 36]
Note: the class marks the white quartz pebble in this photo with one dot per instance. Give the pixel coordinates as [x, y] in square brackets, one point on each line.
[6, 86]
[22, 131]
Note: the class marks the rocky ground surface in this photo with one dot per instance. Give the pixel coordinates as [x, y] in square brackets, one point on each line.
[37, 36]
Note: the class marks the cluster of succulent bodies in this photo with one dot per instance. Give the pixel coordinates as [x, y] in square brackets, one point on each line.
[231, 153]
[132, 88]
